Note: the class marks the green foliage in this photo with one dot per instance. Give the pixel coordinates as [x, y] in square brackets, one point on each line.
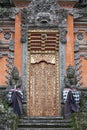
[79, 121]
[4, 1]
[12, 120]
[7, 117]
[85, 10]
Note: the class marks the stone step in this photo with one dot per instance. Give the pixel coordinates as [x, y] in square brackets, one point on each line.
[45, 129]
[44, 123]
[43, 117]
[43, 120]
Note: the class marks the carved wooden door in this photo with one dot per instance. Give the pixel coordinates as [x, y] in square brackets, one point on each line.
[43, 93]
[43, 75]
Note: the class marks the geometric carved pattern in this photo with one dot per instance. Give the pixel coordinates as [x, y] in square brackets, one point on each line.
[6, 51]
[77, 63]
[80, 57]
[43, 40]
[7, 35]
[80, 36]
[43, 74]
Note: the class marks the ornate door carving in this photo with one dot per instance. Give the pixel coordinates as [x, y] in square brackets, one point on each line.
[43, 93]
[43, 83]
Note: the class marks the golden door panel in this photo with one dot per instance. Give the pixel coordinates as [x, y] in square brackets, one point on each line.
[43, 96]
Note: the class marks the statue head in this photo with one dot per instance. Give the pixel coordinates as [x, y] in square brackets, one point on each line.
[15, 73]
[70, 72]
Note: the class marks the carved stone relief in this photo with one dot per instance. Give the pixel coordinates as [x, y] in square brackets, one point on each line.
[8, 12]
[79, 48]
[7, 49]
[77, 62]
[24, 36]
[7, 35]
[76, 46]
[8, 65]
[24, 68]
[62, 60]
[43, 13]
[77, 13]
[70, 79]
[63, 36]
[80, 36]
[13, 12]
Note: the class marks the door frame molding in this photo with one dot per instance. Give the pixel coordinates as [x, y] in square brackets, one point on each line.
[62, 60]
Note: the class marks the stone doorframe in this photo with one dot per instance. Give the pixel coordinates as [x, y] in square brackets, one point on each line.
[62, 58]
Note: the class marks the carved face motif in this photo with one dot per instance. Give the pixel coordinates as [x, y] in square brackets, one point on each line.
[43, 12]
[43, 18]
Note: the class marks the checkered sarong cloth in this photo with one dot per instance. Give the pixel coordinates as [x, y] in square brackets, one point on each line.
[76, 94]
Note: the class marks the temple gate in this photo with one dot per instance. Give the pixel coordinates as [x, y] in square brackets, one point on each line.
[42, 38]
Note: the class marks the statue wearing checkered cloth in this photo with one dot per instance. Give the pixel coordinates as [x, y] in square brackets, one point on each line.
[15, 94]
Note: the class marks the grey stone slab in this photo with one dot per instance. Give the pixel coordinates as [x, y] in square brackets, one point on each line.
[45, 129]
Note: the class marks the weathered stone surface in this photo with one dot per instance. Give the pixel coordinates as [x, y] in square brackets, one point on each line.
[44, 13]
[44, 123]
